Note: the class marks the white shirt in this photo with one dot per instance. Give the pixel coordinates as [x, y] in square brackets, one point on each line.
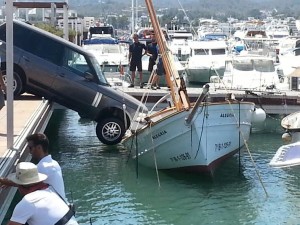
[41, 207]
[52, 169]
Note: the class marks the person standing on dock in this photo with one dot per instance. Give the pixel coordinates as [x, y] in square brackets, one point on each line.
[40, 204]
[135, 59]
[152, 51]
[38, 145]
[2, 90]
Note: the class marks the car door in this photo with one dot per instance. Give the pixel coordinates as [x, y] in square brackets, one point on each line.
[72, 88]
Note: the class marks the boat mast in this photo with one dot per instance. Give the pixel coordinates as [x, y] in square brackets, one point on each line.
[178, 91]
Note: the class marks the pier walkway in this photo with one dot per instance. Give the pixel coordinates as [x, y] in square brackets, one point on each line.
[31, 114]
[273, 102]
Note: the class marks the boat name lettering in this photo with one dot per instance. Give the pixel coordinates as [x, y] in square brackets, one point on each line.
[159, 134]
[221, 146]
[181, 157]
[226, 115]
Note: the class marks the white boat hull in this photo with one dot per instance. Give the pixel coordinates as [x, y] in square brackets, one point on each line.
[203, 75]
[212, 137]
[287, 156]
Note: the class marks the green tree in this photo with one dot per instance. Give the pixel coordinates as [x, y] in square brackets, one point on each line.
[255, 13]
[52, 29]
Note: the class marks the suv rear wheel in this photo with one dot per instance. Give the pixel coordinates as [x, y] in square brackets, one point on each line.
[17, 83]
[110, 130]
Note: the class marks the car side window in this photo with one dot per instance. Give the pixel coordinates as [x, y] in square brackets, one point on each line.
[3, 32]
[22, 36]
[76, 62]
[45, 48]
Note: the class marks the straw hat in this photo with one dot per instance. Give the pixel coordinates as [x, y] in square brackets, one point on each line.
[26, 173]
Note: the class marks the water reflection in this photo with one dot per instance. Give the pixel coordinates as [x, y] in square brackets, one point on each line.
[105, 187]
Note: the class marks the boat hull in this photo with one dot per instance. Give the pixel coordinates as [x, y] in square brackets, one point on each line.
[203, 75]
[213, 136]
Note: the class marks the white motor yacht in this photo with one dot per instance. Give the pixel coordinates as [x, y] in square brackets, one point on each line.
[207, 59]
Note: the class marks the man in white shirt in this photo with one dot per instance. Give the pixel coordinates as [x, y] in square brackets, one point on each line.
[38, 145]
[40, 204]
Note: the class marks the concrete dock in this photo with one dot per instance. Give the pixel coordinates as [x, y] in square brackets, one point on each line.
[273, 102]
[31, 114]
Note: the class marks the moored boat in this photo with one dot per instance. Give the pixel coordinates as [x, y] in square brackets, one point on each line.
[189, 136]
[207, 59]
[288, 155]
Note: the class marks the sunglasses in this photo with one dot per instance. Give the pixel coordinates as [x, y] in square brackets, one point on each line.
[31, 147]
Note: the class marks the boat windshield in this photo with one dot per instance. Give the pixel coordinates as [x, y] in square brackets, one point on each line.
[201, 51]
[244, 65]
[264, 65]
[107, 48]
[254, 64]
[220, 51]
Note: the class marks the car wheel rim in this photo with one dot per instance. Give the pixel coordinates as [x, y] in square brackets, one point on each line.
[14, 82]
[111, 131]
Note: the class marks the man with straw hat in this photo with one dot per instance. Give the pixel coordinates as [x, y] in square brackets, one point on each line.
[40, 205]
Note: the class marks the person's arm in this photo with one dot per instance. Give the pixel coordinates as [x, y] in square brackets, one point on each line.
[145, 50]
[129, 56]
[7, 182]
[148, 51]
[13, 223]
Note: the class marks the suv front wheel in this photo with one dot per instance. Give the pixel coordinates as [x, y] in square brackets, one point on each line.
[110, 130]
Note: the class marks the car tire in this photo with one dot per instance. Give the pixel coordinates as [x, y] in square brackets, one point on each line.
[110, 130]
[17, 83]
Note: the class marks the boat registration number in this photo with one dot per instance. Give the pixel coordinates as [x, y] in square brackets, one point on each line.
[181, 157]
[221, 146]
[225, 115]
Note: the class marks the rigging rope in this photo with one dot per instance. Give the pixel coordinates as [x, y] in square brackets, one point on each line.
[186, 16]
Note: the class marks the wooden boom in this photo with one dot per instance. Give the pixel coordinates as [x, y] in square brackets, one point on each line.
[177, 86]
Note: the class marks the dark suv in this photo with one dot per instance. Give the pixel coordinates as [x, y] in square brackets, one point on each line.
[49, 66]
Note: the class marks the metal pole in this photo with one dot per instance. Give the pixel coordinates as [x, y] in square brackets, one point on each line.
[136, 14]
[66, 23]
[132, 16]
[9, 74]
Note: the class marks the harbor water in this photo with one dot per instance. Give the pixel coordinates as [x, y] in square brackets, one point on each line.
[107, 187]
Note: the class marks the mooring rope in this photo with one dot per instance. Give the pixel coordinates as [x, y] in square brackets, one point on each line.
[154, 156]
[248, 149]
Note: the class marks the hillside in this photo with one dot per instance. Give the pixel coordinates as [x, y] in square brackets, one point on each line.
[203, 8]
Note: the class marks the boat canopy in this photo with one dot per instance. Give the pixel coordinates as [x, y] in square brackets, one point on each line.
[100, 41]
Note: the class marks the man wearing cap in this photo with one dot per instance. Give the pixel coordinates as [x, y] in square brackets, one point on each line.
[38, 145]
[40, 204]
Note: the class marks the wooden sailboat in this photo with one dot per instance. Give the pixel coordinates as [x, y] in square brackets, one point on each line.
[190, 136]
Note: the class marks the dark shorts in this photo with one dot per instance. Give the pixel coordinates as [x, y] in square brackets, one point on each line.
[151, 64]
[136, 65]
[160, 69]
